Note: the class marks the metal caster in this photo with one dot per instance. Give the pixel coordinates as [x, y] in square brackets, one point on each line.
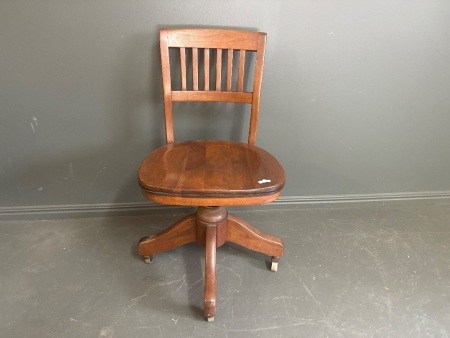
[274, 265]
[148, 259]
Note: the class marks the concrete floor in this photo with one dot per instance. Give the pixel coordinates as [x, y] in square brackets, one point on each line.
[361, 271]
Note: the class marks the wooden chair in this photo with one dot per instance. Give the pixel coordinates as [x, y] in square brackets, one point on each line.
[211, 174]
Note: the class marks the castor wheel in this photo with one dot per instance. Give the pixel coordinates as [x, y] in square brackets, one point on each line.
[148, 259]
[274, 265]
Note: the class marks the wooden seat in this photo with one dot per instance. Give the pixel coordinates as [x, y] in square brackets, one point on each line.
[211, 174]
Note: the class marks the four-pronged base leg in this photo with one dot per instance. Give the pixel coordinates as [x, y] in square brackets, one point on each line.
[182, 232]
[212, 227]
[242, 233]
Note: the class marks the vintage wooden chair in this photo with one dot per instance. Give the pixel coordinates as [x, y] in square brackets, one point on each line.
[211, 174]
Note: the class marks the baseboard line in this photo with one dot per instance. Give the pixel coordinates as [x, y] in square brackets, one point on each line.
[358, 198]
[139, 208]
[80, 210]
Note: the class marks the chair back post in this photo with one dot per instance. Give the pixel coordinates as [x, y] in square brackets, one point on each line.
[167, 86]
[259, 66]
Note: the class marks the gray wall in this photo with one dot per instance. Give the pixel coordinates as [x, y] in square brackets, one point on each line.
[355, 95]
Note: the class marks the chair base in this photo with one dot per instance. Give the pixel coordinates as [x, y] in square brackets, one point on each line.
[211, 227]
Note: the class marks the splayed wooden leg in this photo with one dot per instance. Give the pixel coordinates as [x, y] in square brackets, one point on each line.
[242, 233]
[180, 233]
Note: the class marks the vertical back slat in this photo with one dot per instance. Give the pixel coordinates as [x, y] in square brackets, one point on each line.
[219, 69]
[241, 70]
[195, 68]
[229, 68]
[183, 68]
[206, 66]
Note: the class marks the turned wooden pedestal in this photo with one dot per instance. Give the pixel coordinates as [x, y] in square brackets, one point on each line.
[211, 227]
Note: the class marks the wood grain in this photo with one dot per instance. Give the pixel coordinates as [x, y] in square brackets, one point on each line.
[195, 68]
[206, 68]
[211, 168]
[219, 69]
[229, 68]
[241, 70]
[211, 38]
[183, 68]
[209, 308]
[211, 96]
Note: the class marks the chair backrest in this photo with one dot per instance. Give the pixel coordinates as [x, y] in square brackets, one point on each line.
[197, 45]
